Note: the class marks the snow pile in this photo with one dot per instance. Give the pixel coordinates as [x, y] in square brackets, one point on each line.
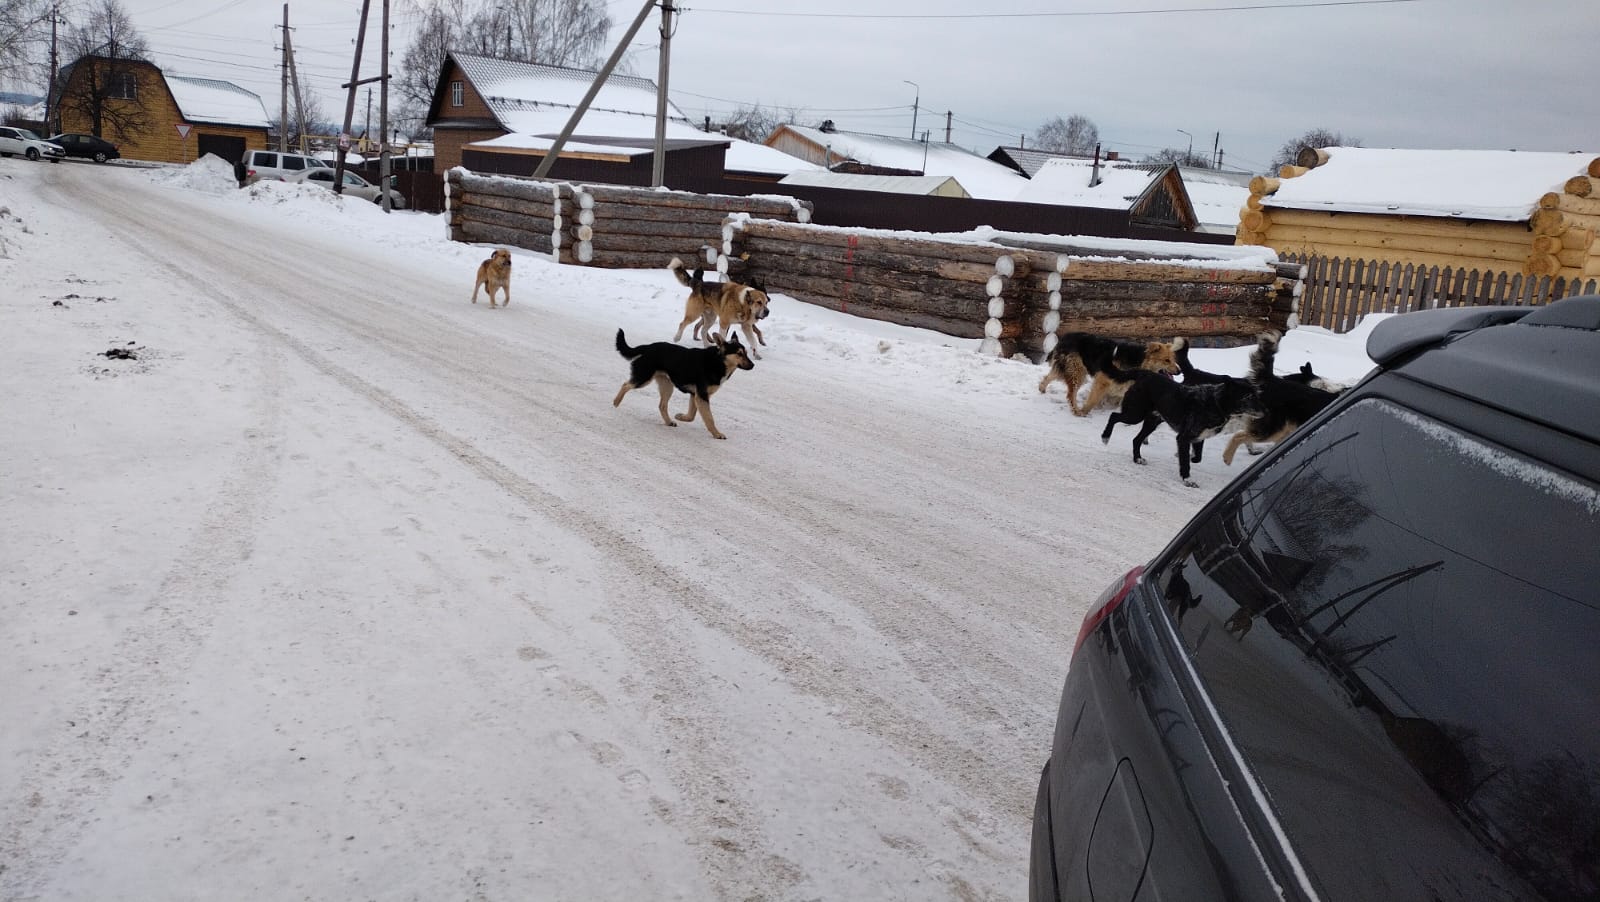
[209, 175]
[11, 225]
[275, 193]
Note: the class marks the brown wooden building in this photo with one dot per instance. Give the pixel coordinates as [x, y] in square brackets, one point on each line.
[152, 115]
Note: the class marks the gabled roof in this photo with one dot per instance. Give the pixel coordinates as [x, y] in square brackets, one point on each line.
[528, 98]
[1027, 160]
[981, 177]
[1501, 185]
[894, 184]
[1217, 196]
[218, 102]
[1118, 185]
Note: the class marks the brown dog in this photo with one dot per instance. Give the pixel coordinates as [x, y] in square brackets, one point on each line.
[726, 303]
[1080, 357]
[494, 274]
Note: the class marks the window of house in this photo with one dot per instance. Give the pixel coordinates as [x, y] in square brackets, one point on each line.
[124, 87]
[456, 93]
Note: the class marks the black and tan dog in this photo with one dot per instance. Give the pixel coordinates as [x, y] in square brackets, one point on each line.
[1195, 412]
[1285, 403]
[697, 372]
[724, 304]
[495, 275]
[1080, 357]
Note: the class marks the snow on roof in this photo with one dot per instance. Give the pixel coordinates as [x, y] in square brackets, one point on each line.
[741, 156]
[1217, 196]
[1471, 184]
[981, 177]
[896, 184]
[220, 102]
[1065, 181]
[515, 91]
[1031, 160]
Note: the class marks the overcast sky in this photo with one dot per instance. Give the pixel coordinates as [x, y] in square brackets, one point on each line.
[1398, 73]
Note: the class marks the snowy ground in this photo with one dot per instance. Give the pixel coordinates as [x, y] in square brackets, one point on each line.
[346, 588]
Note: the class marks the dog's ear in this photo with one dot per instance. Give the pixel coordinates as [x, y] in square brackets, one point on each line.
[1306, 368]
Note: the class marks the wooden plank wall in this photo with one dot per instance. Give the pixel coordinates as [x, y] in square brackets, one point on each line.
[1341, 290]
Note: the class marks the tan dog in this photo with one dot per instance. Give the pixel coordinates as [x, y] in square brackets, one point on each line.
[726, 303]
[494, 274]
[1080, 357]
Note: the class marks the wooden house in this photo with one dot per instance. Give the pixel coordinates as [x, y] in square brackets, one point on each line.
[1150, 194]
[864, 153]
[1532, 213]
[153, 115]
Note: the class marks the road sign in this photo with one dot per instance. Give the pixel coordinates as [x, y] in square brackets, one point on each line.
[344, 142]
[183, 130]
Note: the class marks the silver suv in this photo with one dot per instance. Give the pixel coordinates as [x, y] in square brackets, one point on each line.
[270, 164]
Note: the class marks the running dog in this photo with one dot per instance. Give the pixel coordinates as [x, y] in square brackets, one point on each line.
[1285, 403]
[1195, 412]
[697, 372]
[1193, 375]
[494, 274]
[726, 303]
[1080, 357]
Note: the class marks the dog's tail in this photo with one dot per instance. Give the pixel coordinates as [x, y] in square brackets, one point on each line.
[683, 277]
[1180, 352]
[623, 349]
[1261, 360]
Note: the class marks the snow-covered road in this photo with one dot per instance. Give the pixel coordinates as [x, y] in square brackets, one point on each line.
[351, 589]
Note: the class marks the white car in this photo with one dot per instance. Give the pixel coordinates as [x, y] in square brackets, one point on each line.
[30, 145]
[354, 185]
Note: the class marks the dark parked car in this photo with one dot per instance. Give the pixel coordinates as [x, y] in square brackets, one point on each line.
[87, 146]
[1369, 669]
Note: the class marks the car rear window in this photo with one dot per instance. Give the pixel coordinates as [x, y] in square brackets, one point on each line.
[264, 160]
[1399, 623]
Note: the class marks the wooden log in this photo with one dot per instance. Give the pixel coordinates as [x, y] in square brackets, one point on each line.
[1541, 265]
[1548, 244]
[1254, 220]
[1147, 310]
[1577, 239]
[544, 208]
[1152, 328]
[1547, 222]
[1571, 259]
[1114, 270]
[668, 248]
[1290, 270]
[1398, 243]
[515, 189]
[1591, 266]
[1594, 168]
[1265, 184]
[509, 220]
[702, 233]
[1311, 157]
[1290, 171]
[952, 327]
[1253, 202]
[768, 207]
[950, 306]
[1246, 238]
[831, 260]
[1585, 206]
[477, 232]
[1419, 258]
[1582, 186]
[1405, 225]
[709, 219]
[1136, 295]
[866, 240]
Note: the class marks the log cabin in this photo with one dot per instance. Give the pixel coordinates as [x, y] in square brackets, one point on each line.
[1533, 213]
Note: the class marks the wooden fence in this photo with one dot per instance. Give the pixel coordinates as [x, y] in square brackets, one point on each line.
[1339, 291]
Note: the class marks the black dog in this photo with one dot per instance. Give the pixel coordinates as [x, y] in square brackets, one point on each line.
[1079, 357]
[1284, 403]
[1195, 412]
[697, 372]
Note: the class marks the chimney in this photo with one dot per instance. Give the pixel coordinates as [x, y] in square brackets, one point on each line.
[1111, 155]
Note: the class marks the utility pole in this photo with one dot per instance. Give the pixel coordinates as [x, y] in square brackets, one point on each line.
[1215, 143]
[350, 100]
[947, 116]
[366, 128]
[594, 88]
[383, 117]
[915, 102]
[283, 115]
[50, 104]
[658, 169]
[299, 99]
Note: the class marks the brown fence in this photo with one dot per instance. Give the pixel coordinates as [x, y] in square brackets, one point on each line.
[1339, 291]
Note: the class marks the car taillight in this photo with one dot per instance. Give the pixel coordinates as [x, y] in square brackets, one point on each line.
[250, 172]
[1106, 603]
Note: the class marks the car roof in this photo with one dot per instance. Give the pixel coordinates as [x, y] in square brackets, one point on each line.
[1540, 363]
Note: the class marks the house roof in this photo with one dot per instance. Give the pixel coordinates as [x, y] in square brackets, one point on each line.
[1217, 196]
[1028, 160]
[1066, 181]
[534, 102]
[894, 184]
[1503, 185]
[219, 102]
[979, 176]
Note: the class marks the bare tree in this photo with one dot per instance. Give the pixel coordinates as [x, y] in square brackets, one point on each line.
[103, 87]
[1181, 156]
[1317, 137]
[568, 33]
[755, 123]
[1074, 134]
[24, 29]
[436, 36]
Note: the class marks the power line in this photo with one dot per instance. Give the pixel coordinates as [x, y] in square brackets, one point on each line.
[1053, 15]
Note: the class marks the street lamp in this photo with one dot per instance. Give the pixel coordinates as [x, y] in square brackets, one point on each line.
[914, 104]
[1188, 154]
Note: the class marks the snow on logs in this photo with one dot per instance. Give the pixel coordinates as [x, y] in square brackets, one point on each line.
[518, 212]
[1015, 299]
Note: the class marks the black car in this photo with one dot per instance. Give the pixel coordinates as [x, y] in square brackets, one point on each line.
[1369, 669]
[87, 146]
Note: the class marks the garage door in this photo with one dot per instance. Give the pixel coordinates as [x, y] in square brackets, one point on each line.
[227, 147]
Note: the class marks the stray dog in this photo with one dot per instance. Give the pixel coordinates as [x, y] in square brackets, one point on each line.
[697, 372]
[494, 273]
[1285, 403]
[1195, 412]
[1307, 376]
[1193, 375]
[728, 303]
[1080, 357]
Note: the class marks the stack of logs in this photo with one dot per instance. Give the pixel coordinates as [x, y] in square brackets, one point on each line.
[1566, 226]
[1558, 240]
[518, 212]
[621, 227]
[1017, 299]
